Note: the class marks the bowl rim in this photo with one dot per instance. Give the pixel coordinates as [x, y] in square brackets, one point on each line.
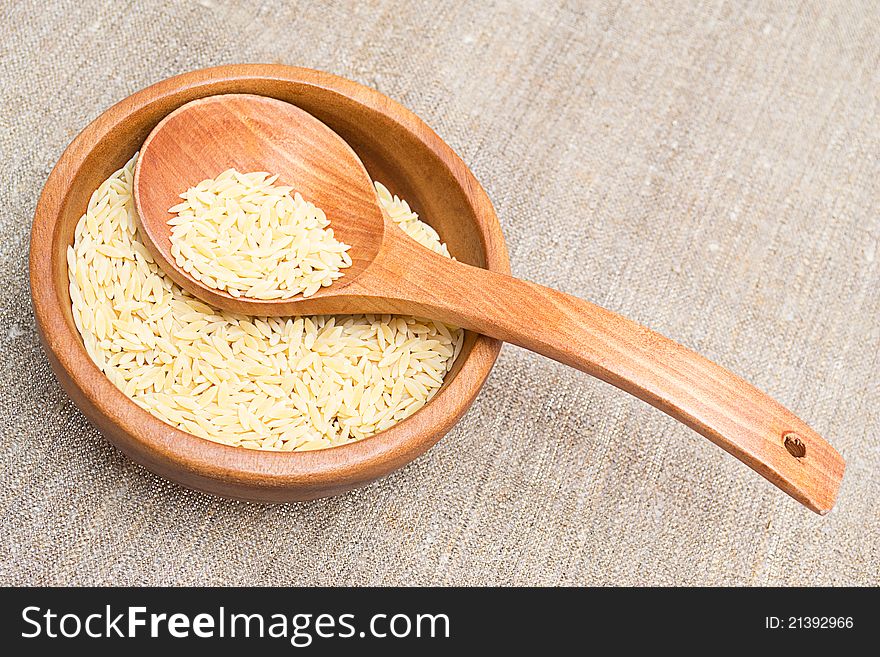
[200, 463]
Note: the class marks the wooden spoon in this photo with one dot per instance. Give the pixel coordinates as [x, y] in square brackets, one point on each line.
[392, 273]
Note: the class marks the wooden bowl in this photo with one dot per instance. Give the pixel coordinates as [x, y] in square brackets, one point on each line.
[397, 149]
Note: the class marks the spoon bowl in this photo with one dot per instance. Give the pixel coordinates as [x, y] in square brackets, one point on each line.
[192, 144]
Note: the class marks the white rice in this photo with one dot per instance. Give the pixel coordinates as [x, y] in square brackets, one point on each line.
[271, 383]
[241, 233]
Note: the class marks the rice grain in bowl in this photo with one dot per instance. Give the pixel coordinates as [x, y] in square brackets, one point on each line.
[396, 147]
[276, 383]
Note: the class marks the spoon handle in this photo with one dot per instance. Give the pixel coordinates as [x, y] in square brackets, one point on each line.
[713, 401]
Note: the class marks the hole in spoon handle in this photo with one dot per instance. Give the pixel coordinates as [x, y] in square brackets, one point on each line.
[794, 444]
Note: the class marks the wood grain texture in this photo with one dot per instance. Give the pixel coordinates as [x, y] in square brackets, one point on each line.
[395, 146]
[394, 274]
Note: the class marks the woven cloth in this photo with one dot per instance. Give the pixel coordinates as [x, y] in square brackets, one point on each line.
[709, 169]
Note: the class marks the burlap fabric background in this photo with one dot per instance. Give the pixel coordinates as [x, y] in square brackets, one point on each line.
[709, 169]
